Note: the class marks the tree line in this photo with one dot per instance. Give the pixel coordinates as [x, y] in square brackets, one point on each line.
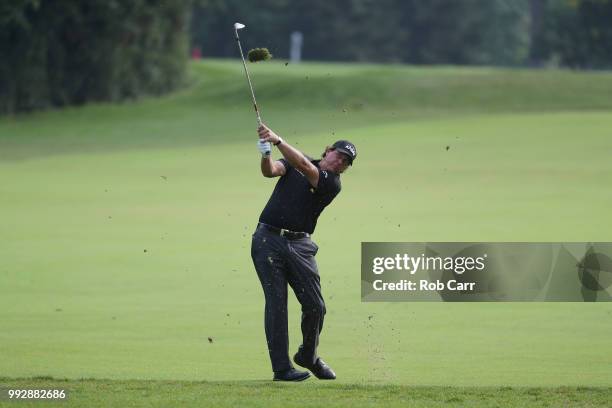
[571, 33]
[67, 52]
[56, 53]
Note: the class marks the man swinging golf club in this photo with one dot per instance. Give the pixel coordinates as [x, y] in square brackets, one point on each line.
[283, 252]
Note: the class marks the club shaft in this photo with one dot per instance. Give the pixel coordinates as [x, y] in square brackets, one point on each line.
[246, 71]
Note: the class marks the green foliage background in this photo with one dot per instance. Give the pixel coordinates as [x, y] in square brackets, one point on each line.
[58, 53]
[572, 33]
[68, 52]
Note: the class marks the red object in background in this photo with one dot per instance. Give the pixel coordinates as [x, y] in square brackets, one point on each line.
[196, 53]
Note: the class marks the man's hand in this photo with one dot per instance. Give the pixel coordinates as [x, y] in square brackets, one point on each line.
[267, 135]
[264, 147]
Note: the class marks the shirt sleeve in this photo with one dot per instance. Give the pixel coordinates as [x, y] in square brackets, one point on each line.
[286, 164]
[329, 183]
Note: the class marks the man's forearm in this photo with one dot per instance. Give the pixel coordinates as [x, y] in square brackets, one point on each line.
[292, 155]
[266, 165]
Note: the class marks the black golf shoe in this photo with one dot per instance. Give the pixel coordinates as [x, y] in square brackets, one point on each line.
[291, 375]
[320, 370]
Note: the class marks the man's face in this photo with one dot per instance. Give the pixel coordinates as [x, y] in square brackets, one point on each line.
[335, 161]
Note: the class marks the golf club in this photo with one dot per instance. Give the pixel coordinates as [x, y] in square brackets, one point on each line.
[240, 26]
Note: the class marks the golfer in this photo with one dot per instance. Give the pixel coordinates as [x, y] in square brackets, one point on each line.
[283, 252]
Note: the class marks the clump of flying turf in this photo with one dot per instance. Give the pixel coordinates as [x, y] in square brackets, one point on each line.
[259, 54]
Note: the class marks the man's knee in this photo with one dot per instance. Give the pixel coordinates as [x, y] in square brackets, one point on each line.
[317, 308]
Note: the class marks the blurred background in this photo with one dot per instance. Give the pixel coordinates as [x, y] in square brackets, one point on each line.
[71, 52]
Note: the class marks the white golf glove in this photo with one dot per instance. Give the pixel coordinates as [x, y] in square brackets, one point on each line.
[264, 147]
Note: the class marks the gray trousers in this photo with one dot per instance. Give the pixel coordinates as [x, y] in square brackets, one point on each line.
[280, 261]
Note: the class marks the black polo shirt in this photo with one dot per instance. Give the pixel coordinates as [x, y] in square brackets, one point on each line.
[296, 205]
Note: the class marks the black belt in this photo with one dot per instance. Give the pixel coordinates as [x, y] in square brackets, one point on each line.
[283, 232]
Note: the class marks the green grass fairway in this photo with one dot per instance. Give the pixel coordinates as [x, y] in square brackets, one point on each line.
[126, 230]
[104, 393]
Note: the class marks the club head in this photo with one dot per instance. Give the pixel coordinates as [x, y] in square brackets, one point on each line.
[239, 26]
